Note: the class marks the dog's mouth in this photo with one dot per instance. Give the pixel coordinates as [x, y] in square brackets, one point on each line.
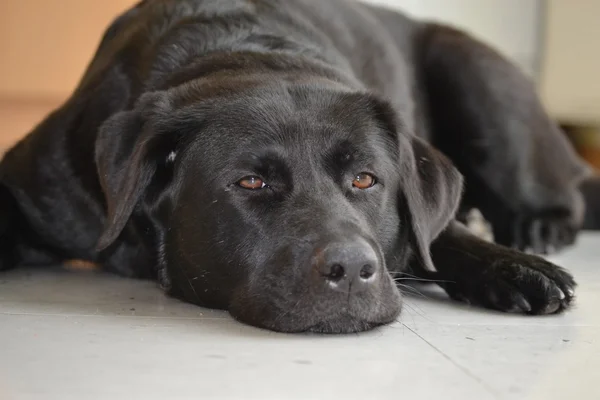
[336, 317]
[341, 286]
[342, 323]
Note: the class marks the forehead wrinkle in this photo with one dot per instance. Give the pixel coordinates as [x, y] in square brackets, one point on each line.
[325, 134]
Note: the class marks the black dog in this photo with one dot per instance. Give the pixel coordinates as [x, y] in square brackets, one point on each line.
[276, 158]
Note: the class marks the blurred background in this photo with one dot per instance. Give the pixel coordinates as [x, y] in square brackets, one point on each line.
[45, 46]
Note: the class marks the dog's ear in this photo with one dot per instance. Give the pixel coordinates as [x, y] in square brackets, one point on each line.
[128, 150]
[432, 189]
[430, 186]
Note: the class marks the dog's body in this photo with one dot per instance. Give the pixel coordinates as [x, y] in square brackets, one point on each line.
[222, 148]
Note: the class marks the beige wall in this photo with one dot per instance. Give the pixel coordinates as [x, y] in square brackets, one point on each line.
[570, 85]
[46, 44]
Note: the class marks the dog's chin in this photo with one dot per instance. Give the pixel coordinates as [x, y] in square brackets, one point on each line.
[339, 324]
[345, 324]
[343, 320]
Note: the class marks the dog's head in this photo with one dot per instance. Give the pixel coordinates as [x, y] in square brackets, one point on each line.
[286, 203]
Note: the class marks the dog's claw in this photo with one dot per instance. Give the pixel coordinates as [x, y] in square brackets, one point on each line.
[518, 283]
[522, 303]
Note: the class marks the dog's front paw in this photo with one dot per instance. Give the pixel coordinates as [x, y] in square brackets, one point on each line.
[537, 233]
[517, 283]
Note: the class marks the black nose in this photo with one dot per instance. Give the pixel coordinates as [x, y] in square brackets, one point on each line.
[348, 267]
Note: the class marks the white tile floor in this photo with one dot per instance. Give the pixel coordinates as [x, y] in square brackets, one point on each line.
[67, 335]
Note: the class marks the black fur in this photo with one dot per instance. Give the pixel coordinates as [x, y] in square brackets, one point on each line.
[138, 170]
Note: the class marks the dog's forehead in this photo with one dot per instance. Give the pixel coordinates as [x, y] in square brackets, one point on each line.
[296, 114]
[297, 119]
[253, 101]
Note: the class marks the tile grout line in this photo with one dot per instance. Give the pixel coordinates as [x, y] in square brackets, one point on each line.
[456, 364]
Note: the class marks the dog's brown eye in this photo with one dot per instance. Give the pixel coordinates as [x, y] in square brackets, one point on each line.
[364, 181]
[252, 183]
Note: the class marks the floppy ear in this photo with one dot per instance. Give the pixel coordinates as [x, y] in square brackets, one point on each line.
[432, 189]
[127, 154]
[123, 168]
[430, 185]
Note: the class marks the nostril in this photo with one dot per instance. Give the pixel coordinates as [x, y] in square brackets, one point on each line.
[367, 271]
[336, 273]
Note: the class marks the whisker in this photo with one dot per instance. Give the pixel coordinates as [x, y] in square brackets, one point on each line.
[414, 291]
[404, 276]
[412, 317]
[420, 313]
[422, 280]
[403, 273]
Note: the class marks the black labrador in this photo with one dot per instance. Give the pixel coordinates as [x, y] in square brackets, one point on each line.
[287, 160]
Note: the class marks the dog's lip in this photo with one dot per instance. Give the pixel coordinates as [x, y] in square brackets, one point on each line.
[342, 323]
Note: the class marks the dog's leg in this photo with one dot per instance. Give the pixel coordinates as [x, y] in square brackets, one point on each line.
[482, 273]
[18, 243]
[7, 230]
[520, 170]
